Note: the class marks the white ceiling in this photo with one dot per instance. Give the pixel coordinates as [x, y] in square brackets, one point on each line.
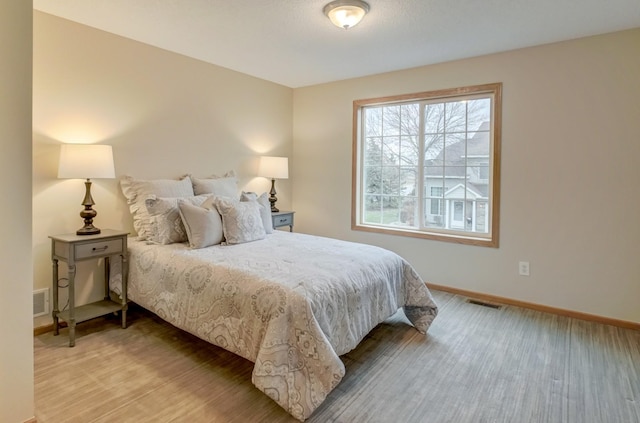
[292, 43]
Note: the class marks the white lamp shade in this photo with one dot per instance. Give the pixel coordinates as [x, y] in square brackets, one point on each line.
[86, 161]
[274, 167]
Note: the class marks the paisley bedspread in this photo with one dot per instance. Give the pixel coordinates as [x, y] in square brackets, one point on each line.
[291, 303]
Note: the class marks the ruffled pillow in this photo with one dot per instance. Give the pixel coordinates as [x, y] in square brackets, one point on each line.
[220, 186]
[136, 191]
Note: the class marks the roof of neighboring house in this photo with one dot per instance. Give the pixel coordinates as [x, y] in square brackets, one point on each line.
[473, 191]
[455, 154]
[454, 158]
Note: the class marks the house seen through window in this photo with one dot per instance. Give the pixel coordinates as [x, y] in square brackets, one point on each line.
[427, 164]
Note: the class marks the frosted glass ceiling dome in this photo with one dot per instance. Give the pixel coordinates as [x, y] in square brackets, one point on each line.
[346, 13]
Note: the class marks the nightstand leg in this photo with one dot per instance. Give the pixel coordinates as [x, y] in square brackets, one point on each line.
[125, 275]
[72, 333]
[72, 306]
[124, 316]
[55, 311]
[107, 276]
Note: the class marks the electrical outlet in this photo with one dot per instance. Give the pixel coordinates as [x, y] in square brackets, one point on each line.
[523, 268]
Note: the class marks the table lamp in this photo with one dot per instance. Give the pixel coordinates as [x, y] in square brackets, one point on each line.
[273, 168]
[86, 161]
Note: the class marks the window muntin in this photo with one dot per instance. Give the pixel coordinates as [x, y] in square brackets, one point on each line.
[428, 164]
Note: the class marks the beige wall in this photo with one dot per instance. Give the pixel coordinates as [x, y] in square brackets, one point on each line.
[16, 324]
[570, 170]
[164, 114]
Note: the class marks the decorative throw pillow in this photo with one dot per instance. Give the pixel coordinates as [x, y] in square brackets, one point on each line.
[203, 226]
[248, 196]
[265, 208]
[241, 221]
[210, 203]
[165, 224]
[137, 191]
[221, 186]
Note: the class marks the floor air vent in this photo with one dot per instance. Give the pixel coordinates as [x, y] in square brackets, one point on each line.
[40, 302]
[484, 304]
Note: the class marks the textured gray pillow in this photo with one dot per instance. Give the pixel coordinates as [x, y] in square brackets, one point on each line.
[241, 221]
[164, 223]
[265, 209]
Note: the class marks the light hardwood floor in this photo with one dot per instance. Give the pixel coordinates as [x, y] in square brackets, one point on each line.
[476, 365]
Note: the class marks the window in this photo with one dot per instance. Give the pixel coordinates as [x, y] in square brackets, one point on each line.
[427, 165]
[436, 203]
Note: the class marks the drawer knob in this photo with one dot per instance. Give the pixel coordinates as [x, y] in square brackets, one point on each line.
[99, 249]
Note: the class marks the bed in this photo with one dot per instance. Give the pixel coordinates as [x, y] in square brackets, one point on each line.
[290, 303]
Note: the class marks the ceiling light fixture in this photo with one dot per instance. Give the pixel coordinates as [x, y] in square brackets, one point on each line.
[346, 13]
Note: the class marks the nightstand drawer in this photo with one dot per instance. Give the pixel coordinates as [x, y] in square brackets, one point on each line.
[283, 220]
[98, 249]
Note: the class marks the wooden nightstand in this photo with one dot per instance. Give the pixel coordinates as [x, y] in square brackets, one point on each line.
[72, 248]
[283, 218]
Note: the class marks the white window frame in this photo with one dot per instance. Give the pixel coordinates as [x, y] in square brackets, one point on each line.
[488, 239]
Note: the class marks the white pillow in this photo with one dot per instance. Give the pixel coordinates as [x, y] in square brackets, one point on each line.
[137, 191]
[241, 221]
[221, 186]
[265, 208]
[165, 224]
[203, 226]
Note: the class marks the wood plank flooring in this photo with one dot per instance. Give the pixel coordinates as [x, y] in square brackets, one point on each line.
[476, 365]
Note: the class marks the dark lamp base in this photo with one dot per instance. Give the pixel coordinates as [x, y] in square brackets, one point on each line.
[88, 214]
[272, 197]
[88, 230]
